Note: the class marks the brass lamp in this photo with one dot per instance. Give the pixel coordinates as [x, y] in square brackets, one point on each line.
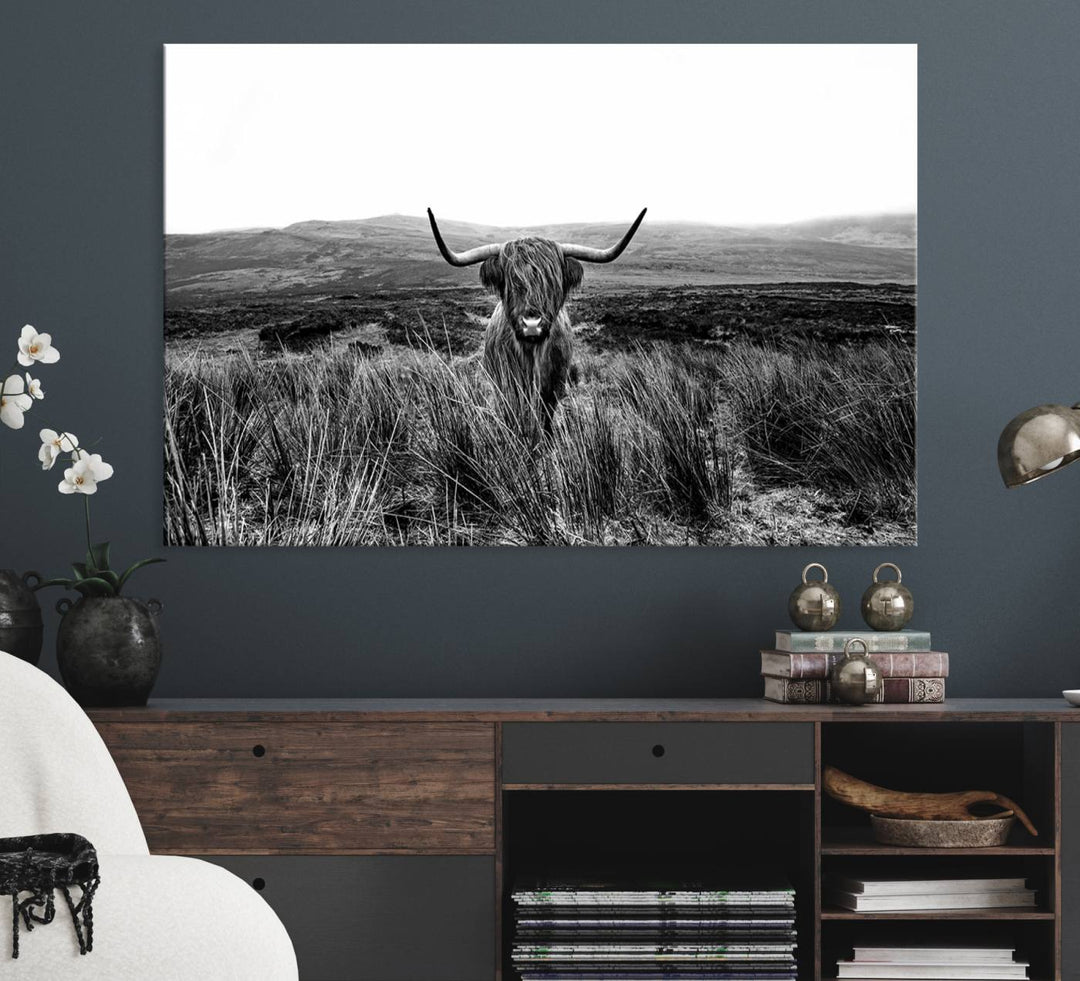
[1038, 442]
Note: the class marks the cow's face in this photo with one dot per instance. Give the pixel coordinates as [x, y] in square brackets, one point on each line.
[532, 277]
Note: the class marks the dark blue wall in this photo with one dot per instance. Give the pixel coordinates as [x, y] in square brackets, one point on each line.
[996, 576]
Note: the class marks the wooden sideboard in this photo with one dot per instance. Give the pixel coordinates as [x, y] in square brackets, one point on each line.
[387, 833]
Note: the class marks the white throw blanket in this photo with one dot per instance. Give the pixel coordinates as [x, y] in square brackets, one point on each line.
[156, 918]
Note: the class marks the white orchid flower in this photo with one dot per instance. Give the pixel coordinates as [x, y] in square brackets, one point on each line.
[36, 347]
[85, 474]
[33, 386]
[14, 401]
[53, 444]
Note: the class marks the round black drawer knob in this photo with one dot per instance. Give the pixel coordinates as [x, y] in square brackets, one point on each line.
[258, 884]
[258, 750]
[658, 751]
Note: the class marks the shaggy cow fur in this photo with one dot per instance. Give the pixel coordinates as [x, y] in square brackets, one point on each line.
[531, 364]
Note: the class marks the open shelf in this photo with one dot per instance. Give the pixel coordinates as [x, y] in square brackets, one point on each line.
[740, 835]
[1012, 758]
[1033, 939]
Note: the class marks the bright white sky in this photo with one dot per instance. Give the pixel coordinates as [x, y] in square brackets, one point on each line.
[265, 135]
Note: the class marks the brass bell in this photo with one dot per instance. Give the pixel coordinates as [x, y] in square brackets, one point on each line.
[887, 605]
[855, 679]
[814, 605]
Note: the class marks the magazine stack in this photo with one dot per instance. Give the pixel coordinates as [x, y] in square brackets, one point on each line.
[579, 931]
[913, 963]
[905, 894]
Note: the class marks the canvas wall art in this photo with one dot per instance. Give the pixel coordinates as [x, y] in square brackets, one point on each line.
[506, 295]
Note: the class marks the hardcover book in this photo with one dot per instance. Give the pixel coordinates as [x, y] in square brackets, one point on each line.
[816, 664]
[968, 971]
[965, 900]
[935, 955]
[918, 887]
[895, 691]
[833, 641]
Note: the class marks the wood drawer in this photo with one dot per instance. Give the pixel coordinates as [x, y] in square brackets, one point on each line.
[230, 788]
[689, 753]
[381, 918]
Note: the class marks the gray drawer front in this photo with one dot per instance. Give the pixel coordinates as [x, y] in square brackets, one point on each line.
[1070, 850]
[381, 918]
[692, 753]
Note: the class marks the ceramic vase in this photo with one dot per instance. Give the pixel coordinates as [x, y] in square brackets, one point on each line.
[21, 628]
[109, 649]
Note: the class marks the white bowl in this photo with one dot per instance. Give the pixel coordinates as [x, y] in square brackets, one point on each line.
[1072, 696]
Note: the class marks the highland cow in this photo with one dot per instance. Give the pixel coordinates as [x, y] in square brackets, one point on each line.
[529, 343]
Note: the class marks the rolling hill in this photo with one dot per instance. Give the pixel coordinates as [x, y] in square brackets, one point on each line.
[397, 252]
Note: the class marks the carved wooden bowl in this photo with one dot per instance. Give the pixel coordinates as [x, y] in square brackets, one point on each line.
[922, 833]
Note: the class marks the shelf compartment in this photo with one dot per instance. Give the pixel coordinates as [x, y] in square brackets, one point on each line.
[1035, 870]
[1033, 939]
[697, 834]
[1012, 758]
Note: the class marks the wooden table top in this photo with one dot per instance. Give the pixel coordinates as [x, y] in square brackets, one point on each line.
[580, 710]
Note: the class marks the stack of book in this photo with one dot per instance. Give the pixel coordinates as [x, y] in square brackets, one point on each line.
[899, 893]
[940, 963]
[577, 931]
[797, 669]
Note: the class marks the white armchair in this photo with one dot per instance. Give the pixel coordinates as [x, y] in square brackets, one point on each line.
[156, 918]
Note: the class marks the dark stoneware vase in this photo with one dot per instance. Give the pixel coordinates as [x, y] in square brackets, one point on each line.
[20, 616]
[108, 649]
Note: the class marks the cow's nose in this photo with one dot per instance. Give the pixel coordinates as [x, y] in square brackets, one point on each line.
[531, 325]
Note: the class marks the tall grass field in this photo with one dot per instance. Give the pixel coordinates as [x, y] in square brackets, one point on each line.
[761, 441]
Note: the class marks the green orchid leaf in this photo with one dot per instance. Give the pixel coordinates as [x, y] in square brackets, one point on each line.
[79, 568]
[134, 568]
[94, 587]
[66, 583]
[97, 558]
[111, 578]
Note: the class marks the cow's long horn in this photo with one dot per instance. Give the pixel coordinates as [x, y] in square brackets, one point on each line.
[587, 254]
[469, 258]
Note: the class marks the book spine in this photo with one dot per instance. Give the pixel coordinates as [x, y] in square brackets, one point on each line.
[909, 664]
[895, 691]
[832, 642]
[794, 692]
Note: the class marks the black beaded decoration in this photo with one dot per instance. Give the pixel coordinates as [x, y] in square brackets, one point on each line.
[41, 864]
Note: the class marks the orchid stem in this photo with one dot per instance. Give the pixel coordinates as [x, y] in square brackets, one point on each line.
[89, 547]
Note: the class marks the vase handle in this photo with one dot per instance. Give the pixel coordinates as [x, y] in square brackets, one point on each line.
[27, 576]
[64, 604]
[154, 606]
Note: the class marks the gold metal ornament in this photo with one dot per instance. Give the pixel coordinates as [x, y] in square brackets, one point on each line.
[856, 680]
[814, 605]
[887, 605]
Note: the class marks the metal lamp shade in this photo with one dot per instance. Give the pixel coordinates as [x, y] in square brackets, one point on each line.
[1037, 442]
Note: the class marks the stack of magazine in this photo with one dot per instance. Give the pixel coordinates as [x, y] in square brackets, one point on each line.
[902, 893]
[568, 930]
[938, 963]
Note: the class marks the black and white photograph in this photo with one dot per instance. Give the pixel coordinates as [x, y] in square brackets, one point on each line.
[573, 294]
